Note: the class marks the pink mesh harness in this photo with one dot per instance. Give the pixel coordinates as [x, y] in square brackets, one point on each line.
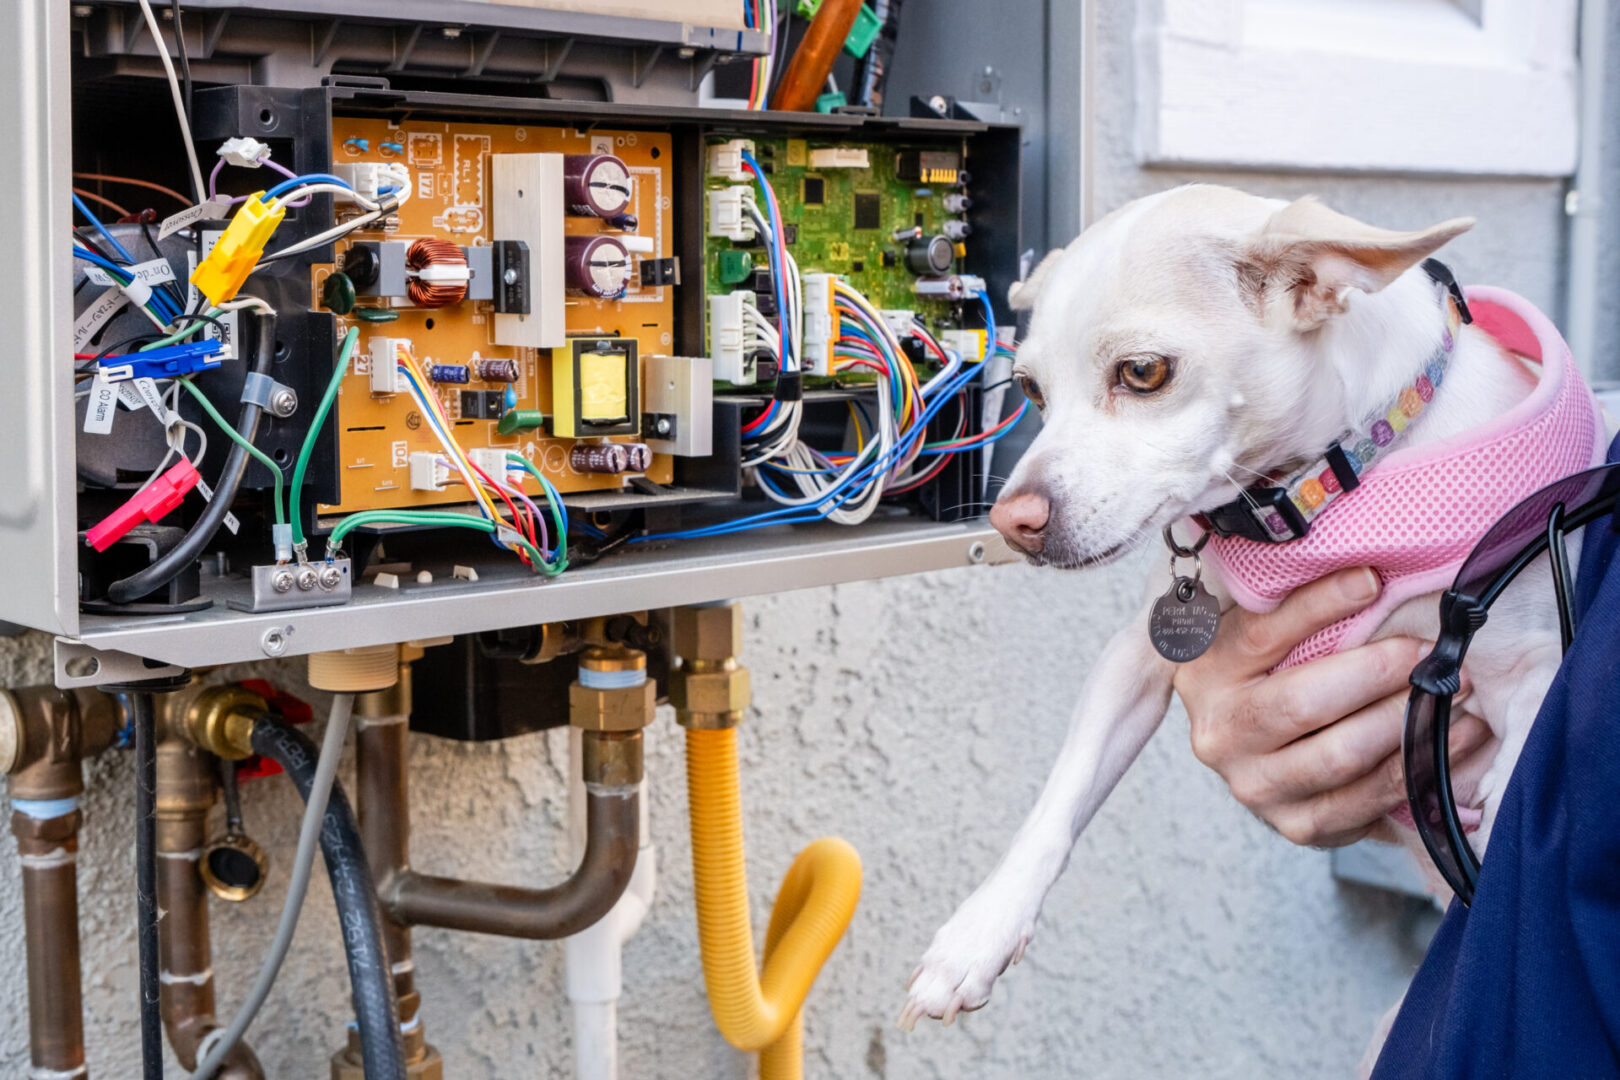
[1419, 512]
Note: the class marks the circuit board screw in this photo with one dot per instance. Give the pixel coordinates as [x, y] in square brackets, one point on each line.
[274, 642]
[307, 577]
[662, 426]
[283, 403]
[283, 581]
[510, 277]
[331, 577]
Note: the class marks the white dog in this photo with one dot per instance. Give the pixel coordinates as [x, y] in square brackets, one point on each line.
[1184, 346]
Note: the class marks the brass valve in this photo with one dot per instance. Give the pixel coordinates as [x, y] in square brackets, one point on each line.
[220, 719]
[711, 690]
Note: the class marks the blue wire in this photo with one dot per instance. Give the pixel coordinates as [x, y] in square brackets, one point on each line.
[989, 319]
[308, 178]
[102, 229]
[113, 268]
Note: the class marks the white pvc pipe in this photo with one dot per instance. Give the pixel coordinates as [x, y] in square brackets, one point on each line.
[594, 975]
[1587, 197]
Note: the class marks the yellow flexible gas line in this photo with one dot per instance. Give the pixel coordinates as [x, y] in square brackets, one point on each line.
[760, 1010]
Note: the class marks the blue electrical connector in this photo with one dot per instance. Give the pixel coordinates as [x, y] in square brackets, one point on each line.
[166, 363]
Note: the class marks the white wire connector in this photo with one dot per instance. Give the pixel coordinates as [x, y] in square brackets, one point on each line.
[281, 536]
[727, 216]
[818, 324]
[727, 345]
[244, 152]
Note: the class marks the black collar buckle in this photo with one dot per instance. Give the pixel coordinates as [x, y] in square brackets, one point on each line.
[1254, 515]
[1441, 274]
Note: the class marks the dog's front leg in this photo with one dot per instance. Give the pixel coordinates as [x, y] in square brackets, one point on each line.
[1121, 705]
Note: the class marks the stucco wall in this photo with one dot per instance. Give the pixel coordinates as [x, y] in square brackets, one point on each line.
[916, 718]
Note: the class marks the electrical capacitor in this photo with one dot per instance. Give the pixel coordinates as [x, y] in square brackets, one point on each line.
[929, 255]
[640, 456]
[449, 373]
[600, 457]
[595, 185]
[496, 370]
[597, 266]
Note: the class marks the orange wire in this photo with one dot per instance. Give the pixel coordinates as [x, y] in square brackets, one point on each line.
[133, 182]
[108, 203]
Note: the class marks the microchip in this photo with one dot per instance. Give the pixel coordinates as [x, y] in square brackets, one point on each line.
[888, 258]
[790, 233]
[868, 210]
[815, 191]
[857, 266]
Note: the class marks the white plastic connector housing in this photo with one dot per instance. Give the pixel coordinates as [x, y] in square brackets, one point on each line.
[726, 217]
[725, 159]
[969, 344]
[366, 177]
[428, 473]
[385, 376]
[899, 322]
[244, 152]
[840, 157]
[492, 460]
[818, 324]
[726, 337]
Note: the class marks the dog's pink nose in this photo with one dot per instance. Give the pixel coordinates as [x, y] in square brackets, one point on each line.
[1020, 518]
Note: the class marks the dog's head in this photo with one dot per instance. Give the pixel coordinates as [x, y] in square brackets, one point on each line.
[1178, 350]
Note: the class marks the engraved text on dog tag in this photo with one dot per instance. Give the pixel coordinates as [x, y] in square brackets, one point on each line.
[1184, 620]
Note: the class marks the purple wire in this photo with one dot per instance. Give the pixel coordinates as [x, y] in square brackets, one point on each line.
[213, 177]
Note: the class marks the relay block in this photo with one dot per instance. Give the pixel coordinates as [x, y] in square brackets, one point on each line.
[584, 335]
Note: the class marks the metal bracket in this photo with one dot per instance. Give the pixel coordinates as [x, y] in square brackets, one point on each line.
[79, 665]
[284, 586]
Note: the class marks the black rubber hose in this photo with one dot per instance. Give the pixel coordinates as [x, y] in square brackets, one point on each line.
[143, 720]
[171, 565]
[371, 982]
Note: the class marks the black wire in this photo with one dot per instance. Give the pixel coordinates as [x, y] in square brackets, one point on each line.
[197, 316]
[138, 339]
[143, 719]
[185, 61]
[170, 289]
[90, 242]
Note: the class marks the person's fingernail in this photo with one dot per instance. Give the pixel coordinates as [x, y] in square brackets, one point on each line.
[1360, 586]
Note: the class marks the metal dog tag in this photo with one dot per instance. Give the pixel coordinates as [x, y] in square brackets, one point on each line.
[1184, 620]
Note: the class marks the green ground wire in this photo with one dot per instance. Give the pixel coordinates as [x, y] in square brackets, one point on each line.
[422, 517]
[556, 514]
[342, 369]
[236, 437]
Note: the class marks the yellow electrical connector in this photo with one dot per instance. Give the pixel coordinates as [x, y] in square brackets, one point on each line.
[222, 273]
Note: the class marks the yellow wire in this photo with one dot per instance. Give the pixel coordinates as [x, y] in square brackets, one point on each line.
[430, 401]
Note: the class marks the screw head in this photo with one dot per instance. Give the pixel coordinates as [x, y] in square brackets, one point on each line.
[284, 402]
[510, 277]
[283, 581]
[274, 642]
[331, 577]
[81, 11]
[662, 426]
[307, 577]
[976, 551]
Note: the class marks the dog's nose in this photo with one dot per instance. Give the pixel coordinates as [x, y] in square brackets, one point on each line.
[1021, 519]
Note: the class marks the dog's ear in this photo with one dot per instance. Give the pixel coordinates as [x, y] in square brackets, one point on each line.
[1021, 294]
[1314, 256]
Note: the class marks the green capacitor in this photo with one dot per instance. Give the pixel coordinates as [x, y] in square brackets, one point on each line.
[338, 293]
[735, 266]
[515, 420]
[375, 314]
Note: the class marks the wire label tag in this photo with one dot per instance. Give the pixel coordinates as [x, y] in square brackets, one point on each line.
[100, 407]
[208, 496]
[154, 272]
[96, 315]
[213, 208]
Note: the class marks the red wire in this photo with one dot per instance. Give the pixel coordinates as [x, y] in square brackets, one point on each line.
[519, 518]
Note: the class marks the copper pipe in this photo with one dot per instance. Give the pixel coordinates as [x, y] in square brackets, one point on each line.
[813, 59]
[612, 823]
[48, 733]
[185, 792]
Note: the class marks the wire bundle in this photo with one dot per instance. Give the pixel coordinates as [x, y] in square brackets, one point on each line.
[761, 15]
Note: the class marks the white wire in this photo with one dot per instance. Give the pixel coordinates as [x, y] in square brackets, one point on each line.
[179, 102]
[243, 302]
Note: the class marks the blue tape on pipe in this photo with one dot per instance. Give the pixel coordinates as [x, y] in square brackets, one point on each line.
[611, 680]
[45, 809]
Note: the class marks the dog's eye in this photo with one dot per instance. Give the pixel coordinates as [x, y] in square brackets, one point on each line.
[1144, 374]
[1032, 390]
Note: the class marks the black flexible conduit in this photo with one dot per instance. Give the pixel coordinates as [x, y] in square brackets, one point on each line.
[171, 565]
[143, 720]
[370, 980]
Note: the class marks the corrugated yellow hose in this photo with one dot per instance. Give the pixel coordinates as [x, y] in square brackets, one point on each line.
[760, 1010]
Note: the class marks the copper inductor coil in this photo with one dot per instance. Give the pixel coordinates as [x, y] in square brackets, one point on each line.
[426, 253]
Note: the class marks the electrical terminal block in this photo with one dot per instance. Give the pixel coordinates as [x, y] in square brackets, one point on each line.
[725, 159]
[237, 251]
[727, 337]
[900, 323]
[969, 344]
[727, 217]
[819, 335]
[246, 153]
[428, 471]
[385, 373]
[840, 157]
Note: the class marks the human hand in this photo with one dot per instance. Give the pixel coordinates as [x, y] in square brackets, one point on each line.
[1314, 750]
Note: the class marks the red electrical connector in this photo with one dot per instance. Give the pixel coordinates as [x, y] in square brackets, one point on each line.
[151, 503]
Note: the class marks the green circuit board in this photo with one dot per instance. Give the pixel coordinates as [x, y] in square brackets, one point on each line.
[844, 220]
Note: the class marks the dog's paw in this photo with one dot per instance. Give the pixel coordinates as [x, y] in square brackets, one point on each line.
[968, 953]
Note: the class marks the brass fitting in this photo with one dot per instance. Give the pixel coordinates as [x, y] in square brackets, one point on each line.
[422, 1062]
[220, 719]
[612, 758]
[619, 700]
[46, 732]
[711, 690]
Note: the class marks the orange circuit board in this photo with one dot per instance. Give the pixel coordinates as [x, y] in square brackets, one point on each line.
[450, 167]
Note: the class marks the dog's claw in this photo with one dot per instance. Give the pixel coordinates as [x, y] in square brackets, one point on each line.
[1023, 943]
[963, 962]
